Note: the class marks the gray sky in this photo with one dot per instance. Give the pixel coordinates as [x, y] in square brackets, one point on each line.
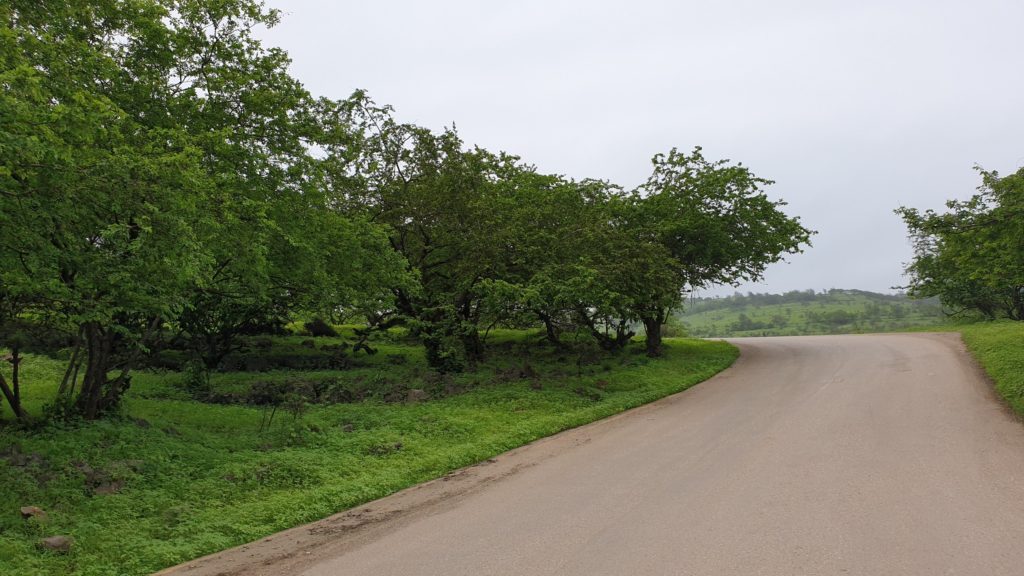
[853, 108]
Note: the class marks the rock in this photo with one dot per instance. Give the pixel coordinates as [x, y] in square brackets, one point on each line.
[33, 512]
[528, 371]
[92, 476]
[57, 544]
[108, 488]
[347, 428]
[16, 458]
[416, 395]
[142, 423]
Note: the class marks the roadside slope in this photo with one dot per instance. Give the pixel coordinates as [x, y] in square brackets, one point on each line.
[997, 347]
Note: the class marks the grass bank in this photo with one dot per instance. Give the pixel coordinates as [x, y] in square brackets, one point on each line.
[174, 478]
[999, 348]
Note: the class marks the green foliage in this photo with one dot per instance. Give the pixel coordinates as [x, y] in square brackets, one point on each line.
[167, 179]
[715, 219]
[807, 312]
[200, 477]
[700, 223]
[972, 257]
[159, 171]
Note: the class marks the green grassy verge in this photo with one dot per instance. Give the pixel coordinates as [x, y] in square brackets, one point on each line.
[193, 478]
[998, 348]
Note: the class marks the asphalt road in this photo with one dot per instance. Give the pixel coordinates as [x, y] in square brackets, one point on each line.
[870, 455]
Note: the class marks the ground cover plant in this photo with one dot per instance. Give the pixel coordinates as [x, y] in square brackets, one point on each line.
[996, 346]
[172, 477]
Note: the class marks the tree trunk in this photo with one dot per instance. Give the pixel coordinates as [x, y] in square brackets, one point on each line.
[97, 352]
[466, 322]
[67, 384]
[652, 326]
[472, 345]
[609, 343]
[613, 343]
[99, 393]
[13, 399]
[550, 330]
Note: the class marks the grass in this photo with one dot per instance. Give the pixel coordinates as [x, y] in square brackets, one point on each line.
[833, 312]
[998, 348]
[197, 478]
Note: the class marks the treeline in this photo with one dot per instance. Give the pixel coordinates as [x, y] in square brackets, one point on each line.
[163, 178]
[740, 300]
[807, 312]
[972, 257]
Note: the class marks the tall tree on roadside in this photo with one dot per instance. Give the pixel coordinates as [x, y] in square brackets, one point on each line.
[156, 160]
[100, 210]
[448, 209]
[715, 222]
[972, 256]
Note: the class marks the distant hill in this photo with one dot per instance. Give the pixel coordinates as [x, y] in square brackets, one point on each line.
[806, 312]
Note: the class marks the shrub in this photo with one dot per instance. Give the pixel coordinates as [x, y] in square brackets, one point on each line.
[317, 327]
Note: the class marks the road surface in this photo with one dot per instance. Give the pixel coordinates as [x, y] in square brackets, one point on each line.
[849, 455]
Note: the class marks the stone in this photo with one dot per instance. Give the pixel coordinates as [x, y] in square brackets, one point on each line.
[33, 512]
[416, 395]
[108, 488]
[57, 544]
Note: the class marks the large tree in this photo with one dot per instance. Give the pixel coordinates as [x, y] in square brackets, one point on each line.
[716, 223]
[972, 256]
[454, 215]
[156, 160]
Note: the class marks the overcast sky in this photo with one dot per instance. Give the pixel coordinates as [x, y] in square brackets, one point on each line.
[853, 108]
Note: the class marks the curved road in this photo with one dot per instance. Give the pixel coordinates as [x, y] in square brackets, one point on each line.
[871, 455]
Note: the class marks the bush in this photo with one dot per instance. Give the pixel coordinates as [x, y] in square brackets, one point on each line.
[317, 327]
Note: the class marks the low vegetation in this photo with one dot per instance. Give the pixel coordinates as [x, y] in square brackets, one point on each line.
[807, 312]
[183, 471]
[997, 347]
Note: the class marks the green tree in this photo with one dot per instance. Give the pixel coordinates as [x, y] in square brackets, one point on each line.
[156, 161]
[972, 256]
[715, 222]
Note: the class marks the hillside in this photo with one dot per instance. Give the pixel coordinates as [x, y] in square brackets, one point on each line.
[806, 312]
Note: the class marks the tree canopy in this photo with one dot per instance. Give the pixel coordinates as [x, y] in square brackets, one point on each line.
[164, 177]
[972, 256]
